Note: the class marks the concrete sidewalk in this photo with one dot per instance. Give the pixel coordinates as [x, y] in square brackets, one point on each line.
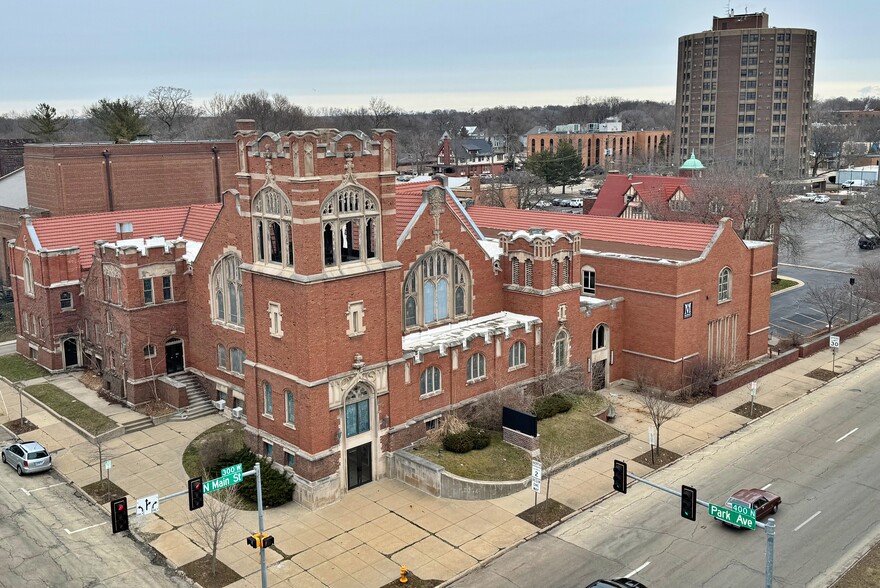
[363, 539]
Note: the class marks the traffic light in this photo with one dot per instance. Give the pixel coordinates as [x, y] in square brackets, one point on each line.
[261, 541]
[196, 493]
[620, 476]
[268, 541]
[689, 503]
[254, 540]
[119, 514]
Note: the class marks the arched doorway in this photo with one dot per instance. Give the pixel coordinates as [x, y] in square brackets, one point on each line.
[70, 347]
[358, 425]
[174, 356]
[600, 356]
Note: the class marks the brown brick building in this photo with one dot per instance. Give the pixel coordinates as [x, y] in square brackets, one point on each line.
[744, 93]
[610, 150]
[339, 316]
[81, 178]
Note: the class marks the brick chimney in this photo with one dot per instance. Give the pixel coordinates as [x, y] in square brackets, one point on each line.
[474, 182]
[124, 231]
[245, 124]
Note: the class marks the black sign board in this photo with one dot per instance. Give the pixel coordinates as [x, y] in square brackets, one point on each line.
[525, 423]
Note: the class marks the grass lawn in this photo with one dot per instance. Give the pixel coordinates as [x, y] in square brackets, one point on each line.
[16, 368]
[7, 321]
[192, 461]
[569, 434]
[781, 284]
[66, 405]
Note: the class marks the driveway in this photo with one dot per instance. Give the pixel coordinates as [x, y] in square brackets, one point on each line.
[53, 537]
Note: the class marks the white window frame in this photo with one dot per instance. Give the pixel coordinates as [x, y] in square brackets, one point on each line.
[227, 290]
[517, 356]
[148, 354]
[170, 289]
[27, 271]
[355, 316]
[69, 298]
[222, 358]
[476, 368]
[148, 289]
[275, 318]
[236, 353]
[24, 321]
[605, 331]
[725, 285]
[109, 323]
[430, 382]
[563, 338]
[588, 279]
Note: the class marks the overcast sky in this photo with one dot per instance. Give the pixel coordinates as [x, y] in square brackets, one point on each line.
[417, 55]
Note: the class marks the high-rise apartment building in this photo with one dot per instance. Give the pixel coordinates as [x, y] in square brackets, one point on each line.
[743, 94]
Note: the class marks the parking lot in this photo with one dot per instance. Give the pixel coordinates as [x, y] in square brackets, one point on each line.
[830, 257]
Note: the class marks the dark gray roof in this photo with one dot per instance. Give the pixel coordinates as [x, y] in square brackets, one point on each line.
[466, 147]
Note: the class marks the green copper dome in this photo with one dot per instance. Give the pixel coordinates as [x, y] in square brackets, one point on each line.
[692, 163]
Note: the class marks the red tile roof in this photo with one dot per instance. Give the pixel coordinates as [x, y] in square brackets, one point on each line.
[651, 189]
[670, 235]
[408, 199]
[190, 222]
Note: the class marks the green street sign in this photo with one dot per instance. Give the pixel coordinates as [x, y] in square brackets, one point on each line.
[223, 482]
[233, 469]
[728, 515]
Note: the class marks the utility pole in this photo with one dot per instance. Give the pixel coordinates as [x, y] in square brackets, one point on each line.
[263, 575]
[852, 283]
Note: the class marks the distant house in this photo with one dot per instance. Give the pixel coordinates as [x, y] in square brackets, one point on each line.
[468, 156]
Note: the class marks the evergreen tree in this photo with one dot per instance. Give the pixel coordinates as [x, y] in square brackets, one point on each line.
[562, 168]
[119, 119]
[45, 124]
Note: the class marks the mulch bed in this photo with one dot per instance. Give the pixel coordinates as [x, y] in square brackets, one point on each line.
[413, 581]
[200, 571]
[545, 513]
[661, 458]
[20, 426]
[747, 411]
[92, 381]
[155, 408]
[821, 374]
[104, 491]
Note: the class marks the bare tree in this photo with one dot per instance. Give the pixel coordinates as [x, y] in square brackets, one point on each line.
[529, 189]
[209, 521]
[172, 108]
[861, 215]
[552, 455]
[380, 112]
[831, 301]
[660, 408]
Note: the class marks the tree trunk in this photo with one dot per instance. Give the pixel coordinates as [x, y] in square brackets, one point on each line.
[548, 488]
[214, 554]
[658, 440]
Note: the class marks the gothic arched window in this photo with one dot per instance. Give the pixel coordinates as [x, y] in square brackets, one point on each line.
[273, 238]
[437, 289]
[350, 225]
[227, 290]
[560, 350]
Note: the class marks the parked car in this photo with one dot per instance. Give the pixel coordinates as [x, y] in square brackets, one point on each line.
[764, 503]
[27, 457]
[588, 191]
[556, 201]
[576, 202]
[542, 204]
[618, 583]
[808, 197]
[564, 202]
[869, 242]
[822, 199]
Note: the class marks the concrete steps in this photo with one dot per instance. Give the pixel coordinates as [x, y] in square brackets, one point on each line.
[199, 403]
[139, 424]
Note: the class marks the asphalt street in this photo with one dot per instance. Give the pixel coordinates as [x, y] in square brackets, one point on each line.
[819, 454]
[49, 536]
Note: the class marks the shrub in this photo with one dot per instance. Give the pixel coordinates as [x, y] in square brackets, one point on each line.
[459, 442]
[481, 439]
[548, 406]
[277, 489]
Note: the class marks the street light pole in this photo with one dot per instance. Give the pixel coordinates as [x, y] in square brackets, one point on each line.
[852, 283]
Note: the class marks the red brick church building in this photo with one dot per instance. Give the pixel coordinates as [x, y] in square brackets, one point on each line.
[339, 315]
